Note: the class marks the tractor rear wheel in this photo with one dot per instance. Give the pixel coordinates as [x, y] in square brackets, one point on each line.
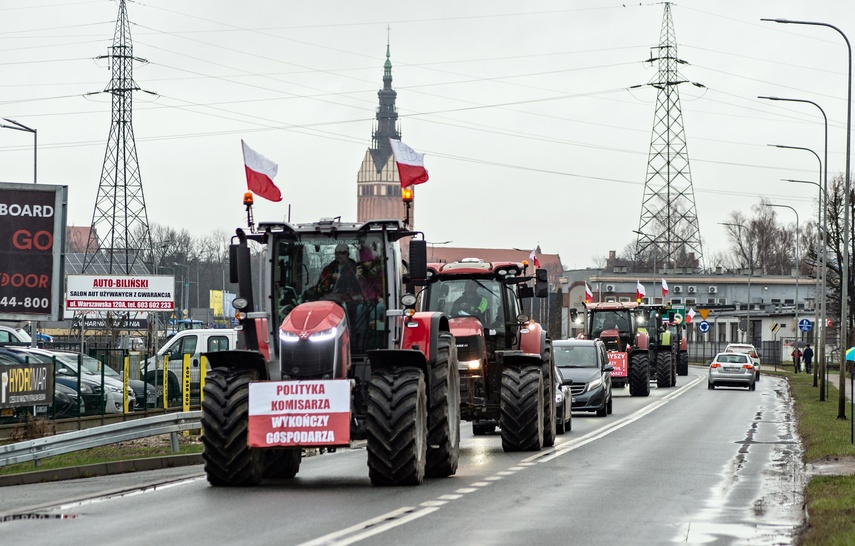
[521, 418]
[444, 428]
[663, 369]
[229, 461]
[683, 364]
[282, 464]
[396, 426]
[639, 378]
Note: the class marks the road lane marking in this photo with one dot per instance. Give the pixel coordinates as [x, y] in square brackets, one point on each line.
[371, 527]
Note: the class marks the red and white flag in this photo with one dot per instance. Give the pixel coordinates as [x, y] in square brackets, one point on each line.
[664, 288]
[259, 174]
[639, 290]
[690, 314]
[589, 296]
[411, 164]
[533, 258]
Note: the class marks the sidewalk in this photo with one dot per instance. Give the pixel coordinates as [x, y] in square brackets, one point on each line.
[833, 379]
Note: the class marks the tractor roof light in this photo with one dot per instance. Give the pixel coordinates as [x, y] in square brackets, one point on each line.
[407, 195]
[247, 198]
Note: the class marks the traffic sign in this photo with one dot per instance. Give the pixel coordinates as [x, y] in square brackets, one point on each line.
[805, 325]
[704, 313]
[703, 327]
[774, 327]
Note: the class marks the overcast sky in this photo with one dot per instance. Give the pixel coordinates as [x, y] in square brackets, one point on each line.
[524, 109]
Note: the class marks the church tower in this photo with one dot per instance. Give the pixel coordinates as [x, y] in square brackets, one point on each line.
[378, 188]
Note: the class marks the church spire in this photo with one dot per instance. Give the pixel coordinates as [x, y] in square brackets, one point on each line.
[387, 116]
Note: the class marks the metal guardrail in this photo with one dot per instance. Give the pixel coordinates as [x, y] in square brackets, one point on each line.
[69, 442]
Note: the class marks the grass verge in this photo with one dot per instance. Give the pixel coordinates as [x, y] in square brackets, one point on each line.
[830, 500]
[157, 446]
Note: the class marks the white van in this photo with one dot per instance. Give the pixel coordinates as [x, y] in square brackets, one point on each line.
[187, 342]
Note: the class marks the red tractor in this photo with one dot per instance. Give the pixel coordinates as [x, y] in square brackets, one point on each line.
[507, 377]
[333, 349]
[622, 326]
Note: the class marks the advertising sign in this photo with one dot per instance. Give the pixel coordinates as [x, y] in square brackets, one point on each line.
[619, 362]
[119, 292]
[299, 413]
[26, 385]
[32, 235]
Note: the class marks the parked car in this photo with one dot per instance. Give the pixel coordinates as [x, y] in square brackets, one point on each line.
[731, 370]
[563, 403]
[748, 349]
[586, 363]
[66, 400]
[9, 335]
[93, 366]
[66, 373]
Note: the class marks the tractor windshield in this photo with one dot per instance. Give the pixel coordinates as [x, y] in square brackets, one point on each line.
[610, 320]
[481, 298]
[349, 272]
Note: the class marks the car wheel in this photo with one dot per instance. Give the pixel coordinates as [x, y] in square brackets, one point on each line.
[710, 385]
[603, 411]
[609, 405]
[757, 376]
[752, 387]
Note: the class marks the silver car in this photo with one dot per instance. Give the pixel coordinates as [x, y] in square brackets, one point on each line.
[731, 370]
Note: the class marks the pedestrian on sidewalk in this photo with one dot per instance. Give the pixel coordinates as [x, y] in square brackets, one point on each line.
[808, 356]
[797, 355]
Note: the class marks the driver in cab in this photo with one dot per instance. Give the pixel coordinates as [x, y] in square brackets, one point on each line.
[470, 303]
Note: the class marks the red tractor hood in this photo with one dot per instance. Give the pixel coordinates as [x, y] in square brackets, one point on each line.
[466, 326]
[313, 316]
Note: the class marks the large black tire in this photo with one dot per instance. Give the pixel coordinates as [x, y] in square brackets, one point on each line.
[282, 464]
[663, 369]
[549, 410]
[444, 428]
[521, 417]
[229, 461]
[396, 426]
[683, 364]
[639, 378]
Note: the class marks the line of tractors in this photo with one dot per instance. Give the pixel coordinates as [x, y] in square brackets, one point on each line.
[346, 339]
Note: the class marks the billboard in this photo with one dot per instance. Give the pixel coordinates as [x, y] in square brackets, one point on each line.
[32, 238]
[119, 293]
[26, 385]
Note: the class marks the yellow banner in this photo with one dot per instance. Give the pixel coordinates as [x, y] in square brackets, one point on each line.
[216, 298]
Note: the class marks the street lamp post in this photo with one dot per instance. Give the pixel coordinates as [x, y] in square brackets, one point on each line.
[433, 248]
[822, 241]
[750, 271]
[185, 292]
[796, 312]
[844, 284]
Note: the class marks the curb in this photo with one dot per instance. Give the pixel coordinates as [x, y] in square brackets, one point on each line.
[101, 469]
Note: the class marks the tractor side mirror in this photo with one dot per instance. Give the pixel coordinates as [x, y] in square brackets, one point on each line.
[418, 262]
[541, 283]
[574, 314]
[233, 269]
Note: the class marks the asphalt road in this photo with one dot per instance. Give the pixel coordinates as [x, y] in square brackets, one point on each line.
[684, 465]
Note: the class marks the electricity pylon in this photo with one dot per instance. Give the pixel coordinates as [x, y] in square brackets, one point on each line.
[668, 230]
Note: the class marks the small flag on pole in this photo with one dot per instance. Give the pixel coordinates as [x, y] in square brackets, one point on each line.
[533, 258]
[589, 296]
[411, 164]
[639, 291]
[664, 288]
[260, 172]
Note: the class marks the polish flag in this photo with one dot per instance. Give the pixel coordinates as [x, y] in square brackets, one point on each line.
[260, 172]
[411, 164]
[533, 258]
[589, 296]
[664, 288]
[639, 291]
[691, 314]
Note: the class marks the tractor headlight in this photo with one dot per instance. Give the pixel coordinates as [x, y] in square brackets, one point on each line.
[323, 335]
[288, 337]
[468, 365]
